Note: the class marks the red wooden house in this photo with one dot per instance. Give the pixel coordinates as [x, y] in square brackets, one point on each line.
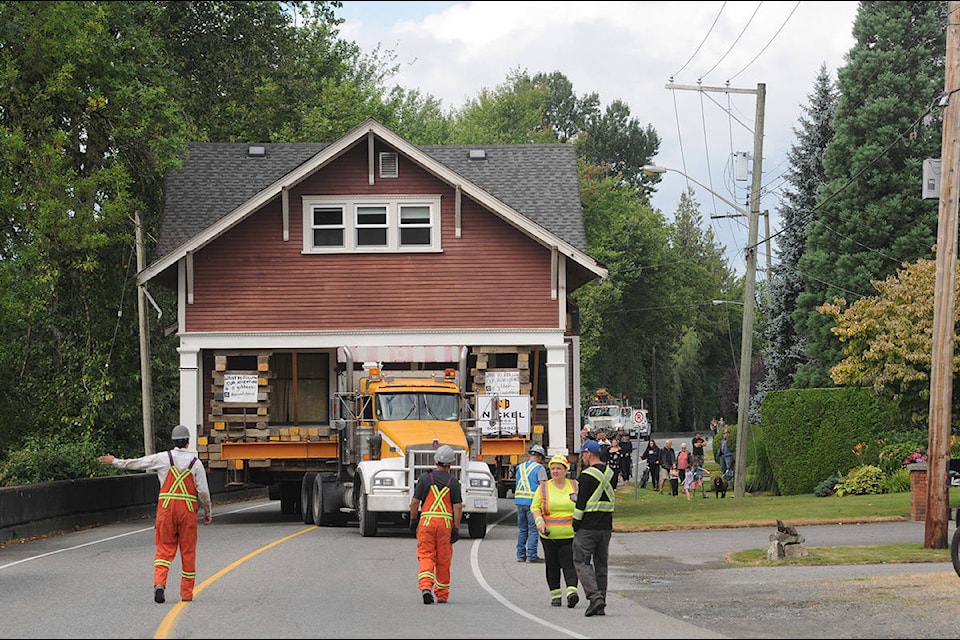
[283, 254]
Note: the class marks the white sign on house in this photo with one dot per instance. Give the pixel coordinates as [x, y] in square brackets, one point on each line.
[239, 387]
[501, 383]
[513, 417]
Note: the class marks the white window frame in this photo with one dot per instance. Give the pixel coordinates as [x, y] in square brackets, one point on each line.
[352, 204]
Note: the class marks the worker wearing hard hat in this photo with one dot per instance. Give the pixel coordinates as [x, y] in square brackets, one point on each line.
[435, 512]
[183, 488]
[552, 509]
[528, 475]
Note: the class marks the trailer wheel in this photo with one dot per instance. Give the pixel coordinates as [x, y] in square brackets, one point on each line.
[322, 518]
[368, 521]
[477, 525]
[306, 497]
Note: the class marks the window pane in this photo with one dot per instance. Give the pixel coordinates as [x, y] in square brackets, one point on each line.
[415, 236]
[325, 216]
[372, 215]
[328, 237]
[415, 214]
[371, 237]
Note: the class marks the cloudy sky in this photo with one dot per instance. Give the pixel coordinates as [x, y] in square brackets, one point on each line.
[631, 51]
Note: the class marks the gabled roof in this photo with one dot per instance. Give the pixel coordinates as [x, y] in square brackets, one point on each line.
[533, 187]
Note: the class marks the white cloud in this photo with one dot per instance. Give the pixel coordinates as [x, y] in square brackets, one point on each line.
[630, 51]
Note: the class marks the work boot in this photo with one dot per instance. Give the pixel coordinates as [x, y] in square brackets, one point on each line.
[158, 594]
[555, 602]
[427, 596]
[572, 600]
[595, 608]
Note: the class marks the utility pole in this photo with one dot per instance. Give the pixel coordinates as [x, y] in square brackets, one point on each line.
[746, 340]
[944, 299]
[146, 378]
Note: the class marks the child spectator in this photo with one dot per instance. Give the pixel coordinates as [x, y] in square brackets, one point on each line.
[674, 480]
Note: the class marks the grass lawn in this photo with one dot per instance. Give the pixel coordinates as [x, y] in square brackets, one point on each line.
[647, 510]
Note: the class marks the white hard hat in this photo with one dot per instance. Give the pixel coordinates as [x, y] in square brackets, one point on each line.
[444, 455]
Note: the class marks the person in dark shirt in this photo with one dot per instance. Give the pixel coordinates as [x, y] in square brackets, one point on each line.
[593, 527]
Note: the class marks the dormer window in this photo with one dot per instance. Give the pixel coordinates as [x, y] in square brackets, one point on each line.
[370, 224]
[389, 164]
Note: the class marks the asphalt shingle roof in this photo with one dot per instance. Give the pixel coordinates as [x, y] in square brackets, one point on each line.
[538, 181]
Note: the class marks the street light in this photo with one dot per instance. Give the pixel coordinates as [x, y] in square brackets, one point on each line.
[746, 338]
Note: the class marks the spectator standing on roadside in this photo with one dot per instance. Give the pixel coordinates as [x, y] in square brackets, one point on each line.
[696, 449]
[683, 460]
[614, 457]
[183, 493]
[726, 454]
[626, 456]
[651, 455]
[668, 459]
[674, 477]
[713, 425]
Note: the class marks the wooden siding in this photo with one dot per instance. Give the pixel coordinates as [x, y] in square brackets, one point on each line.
[249, 279]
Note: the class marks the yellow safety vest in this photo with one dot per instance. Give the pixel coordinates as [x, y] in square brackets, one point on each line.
[602, 498]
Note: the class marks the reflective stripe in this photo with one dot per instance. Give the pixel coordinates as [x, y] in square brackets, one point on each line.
[439, 507]
[527, 480]
[602, 498]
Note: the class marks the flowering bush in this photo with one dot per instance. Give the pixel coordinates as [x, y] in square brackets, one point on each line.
[865, 479]
[916, 456]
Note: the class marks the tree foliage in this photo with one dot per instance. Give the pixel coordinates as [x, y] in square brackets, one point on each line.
[871, 217]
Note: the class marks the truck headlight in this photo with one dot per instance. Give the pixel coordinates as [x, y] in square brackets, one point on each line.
[383, 482]
[480, 483]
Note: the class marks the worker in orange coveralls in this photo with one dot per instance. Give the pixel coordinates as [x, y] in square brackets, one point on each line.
[183, 484]
[437, 525]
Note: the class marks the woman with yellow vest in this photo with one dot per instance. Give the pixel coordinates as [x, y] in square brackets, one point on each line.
[552, 509]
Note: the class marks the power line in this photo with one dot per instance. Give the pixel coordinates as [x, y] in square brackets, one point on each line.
[768, 43]
[702, 76]
[709, 31]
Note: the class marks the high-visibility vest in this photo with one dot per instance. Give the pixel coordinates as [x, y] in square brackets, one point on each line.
[179, 486]
[528, 479]
[556, 508]
[438, 504]
[602, 498]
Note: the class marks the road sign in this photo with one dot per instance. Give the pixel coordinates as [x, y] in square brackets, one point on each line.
[639, 416]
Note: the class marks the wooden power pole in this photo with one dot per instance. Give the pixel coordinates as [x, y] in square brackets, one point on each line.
[146, 378]
[944, 329]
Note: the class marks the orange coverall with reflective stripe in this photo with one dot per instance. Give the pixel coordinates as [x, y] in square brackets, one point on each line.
[176, 527]
[434, 549]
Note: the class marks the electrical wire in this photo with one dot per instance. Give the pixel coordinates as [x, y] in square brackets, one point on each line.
[768, 43]
[702, 76]
[709, 31]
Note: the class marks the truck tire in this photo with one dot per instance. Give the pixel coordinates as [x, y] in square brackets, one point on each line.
[306, 497]
[955, 551]
[322, 518]
[368, 521]
[477, 525]
[501, 490]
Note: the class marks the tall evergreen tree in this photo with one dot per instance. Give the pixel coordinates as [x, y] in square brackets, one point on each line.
[785, 349]
[871, 218]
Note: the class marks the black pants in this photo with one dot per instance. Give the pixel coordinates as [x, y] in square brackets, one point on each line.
[626, 464]
[558, 556]
[654, 474]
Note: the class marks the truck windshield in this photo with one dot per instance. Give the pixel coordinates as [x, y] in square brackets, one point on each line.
[603, 412]
[418, 406]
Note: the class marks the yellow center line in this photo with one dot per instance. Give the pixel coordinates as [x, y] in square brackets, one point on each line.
[170, 620]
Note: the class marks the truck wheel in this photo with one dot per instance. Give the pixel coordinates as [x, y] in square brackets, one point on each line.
[320, 517]
[955, 551]
[477, 525]
[368, 521]
[306, 497]
[501, 490]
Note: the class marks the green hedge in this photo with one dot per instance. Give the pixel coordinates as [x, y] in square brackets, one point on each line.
[813, 434]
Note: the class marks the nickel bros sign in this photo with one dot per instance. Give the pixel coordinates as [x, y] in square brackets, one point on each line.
[502, 410]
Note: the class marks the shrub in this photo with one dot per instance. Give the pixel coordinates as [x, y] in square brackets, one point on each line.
[825, 488]
[49, 458]
[898, 481]
[893, 455]
[862, 480]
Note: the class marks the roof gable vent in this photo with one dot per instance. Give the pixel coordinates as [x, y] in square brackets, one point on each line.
[256, 151]
[389, 164]
[478, 154]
